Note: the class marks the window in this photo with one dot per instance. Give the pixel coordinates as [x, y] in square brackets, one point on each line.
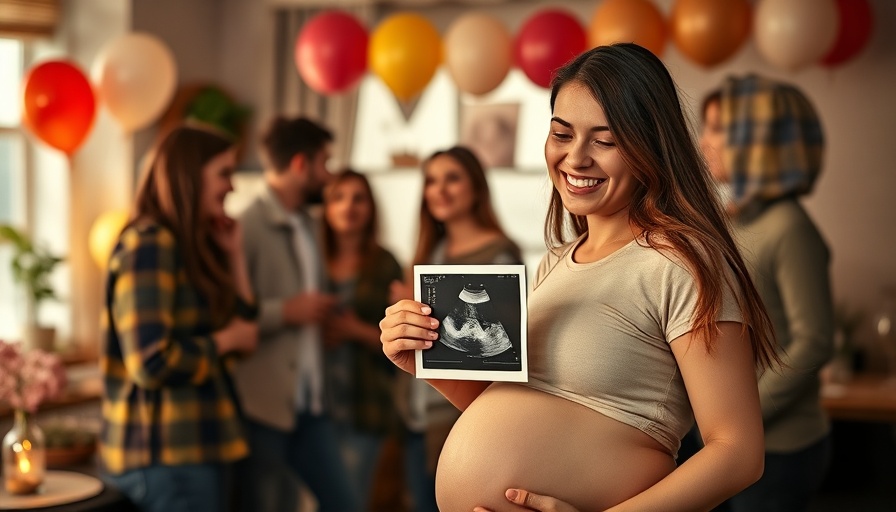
[13, 186]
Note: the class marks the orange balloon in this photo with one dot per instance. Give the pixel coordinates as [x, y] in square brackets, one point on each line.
[404, 51]
[710, 31]
[58, 105]
[628, 21]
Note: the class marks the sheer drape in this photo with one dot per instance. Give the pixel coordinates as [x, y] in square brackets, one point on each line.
[291, 95]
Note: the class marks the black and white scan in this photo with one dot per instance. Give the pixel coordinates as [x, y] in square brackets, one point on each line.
[472, 327]
[480, 321]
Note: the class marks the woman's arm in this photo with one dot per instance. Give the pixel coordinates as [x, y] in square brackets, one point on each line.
[801, 261]
[724, 395]
[407, 327]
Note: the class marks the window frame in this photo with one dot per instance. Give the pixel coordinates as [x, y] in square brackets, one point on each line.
[12, 305]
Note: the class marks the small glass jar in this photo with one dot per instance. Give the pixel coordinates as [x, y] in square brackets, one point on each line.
[885, 326]
[24, 456]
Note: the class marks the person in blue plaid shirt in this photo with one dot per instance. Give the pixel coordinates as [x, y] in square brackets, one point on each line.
[179, 309]
[764, 143]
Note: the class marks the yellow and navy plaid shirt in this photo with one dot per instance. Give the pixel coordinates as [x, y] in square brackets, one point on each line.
[774, 140]
[168, 397]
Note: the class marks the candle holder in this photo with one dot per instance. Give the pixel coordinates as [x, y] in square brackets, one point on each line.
[24, 456]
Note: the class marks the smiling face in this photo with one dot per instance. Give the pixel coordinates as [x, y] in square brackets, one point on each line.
[348, 207]
[217, 183]
[584, 162]
[448, 189]
[712, 140]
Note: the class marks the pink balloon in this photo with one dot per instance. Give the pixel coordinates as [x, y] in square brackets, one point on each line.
[856, 24]
[331, 52]
[547, 41]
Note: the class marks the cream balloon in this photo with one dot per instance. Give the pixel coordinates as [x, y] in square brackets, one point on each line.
[478, 52]
[104, 235]
[135, 77]
[792, 34]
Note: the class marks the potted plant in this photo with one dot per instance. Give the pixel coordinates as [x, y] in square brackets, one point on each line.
[31, 267]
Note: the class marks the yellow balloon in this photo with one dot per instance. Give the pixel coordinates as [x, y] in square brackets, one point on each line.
[104, 235]
[405, 50]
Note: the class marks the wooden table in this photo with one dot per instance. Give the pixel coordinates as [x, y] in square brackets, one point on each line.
[864, 397]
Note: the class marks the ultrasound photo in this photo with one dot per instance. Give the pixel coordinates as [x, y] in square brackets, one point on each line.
[482, 315]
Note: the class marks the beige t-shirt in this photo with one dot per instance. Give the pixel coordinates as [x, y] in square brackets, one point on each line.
[599, 335]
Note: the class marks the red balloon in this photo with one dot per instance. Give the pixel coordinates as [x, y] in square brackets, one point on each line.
[331, 52]
[58, 105]
[856, 23]
[547, 41]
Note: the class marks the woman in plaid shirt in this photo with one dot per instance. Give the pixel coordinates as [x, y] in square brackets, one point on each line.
[178, 308]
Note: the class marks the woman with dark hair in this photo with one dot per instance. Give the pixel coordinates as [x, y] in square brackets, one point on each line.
[360, 381]
[458, 226]
[642, 317]
[764, 144]
[178, 308]
[457, 222]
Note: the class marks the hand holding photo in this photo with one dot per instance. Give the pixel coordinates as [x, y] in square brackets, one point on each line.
[482, 322]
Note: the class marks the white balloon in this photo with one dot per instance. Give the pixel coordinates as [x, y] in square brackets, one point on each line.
[792, 34]
[135, 76]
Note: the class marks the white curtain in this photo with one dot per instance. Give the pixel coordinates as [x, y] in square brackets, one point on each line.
[291, 96]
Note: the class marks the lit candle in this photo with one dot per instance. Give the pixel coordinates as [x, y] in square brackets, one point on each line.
[23, 480]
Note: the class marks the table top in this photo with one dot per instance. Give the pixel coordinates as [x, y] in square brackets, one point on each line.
[863, 397]
[59, 488]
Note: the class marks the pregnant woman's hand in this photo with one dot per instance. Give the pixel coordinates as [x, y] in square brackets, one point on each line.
[534, 501]
[406, 327]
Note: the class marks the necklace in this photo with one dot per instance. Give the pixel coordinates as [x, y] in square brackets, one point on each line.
[617, 239]
[595, 254]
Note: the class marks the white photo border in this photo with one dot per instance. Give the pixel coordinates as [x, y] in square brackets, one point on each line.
[519, 271]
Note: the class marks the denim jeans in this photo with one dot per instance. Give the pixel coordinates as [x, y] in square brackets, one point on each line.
[421, 482]
[789, 482]
[278, 460]
[188, 488]
[361, 452]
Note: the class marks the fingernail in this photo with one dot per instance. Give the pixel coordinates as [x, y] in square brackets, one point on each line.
[512, 494]
[427, 344]
[434, 323]
[426, 310]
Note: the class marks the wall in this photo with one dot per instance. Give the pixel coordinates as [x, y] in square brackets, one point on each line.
[192, 30]
[73, 193]
[851, 202]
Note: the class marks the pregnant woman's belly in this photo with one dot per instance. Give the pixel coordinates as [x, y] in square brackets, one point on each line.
[514, 436]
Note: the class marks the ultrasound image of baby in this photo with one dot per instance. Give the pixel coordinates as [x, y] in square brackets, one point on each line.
[471, 327]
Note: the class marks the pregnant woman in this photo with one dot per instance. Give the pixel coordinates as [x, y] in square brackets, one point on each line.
[641, 322]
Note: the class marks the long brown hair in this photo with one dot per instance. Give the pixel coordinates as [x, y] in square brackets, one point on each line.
[674, 203]
[433, 231]
[170, 194]
[370, 248]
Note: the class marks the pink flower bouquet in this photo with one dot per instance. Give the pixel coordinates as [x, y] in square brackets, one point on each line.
[29, 378]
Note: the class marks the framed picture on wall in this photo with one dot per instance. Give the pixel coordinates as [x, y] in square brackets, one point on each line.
[489, 130]
[481, 311]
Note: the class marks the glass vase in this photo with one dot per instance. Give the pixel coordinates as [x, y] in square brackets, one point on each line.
[885, 327]
[24, 456]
